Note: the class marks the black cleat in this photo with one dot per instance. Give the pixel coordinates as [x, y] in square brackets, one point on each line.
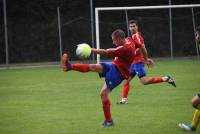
[108, 123]
[171, 81]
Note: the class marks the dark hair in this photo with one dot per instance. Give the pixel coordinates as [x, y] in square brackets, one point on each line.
[118, 33]
[133, 21]
[198, 29]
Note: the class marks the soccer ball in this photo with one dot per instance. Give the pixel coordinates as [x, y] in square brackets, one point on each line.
[83, 50]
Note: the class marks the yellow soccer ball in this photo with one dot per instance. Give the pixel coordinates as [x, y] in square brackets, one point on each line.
[83, 50]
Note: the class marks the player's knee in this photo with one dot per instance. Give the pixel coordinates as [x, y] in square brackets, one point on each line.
[126, 83]
[93, 67]
[144, 82]
[104, 94]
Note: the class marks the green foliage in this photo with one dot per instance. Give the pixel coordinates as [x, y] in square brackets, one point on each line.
[48, 101]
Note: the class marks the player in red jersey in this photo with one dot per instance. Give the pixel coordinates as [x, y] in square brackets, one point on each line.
[114, 72]
[195, 100]
[137, 67]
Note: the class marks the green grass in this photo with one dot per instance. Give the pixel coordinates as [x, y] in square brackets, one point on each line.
[48, 101]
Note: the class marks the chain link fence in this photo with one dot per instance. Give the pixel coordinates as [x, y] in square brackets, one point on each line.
[33, 31]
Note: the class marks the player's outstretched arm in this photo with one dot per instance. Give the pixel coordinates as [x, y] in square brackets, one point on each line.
[99, 51]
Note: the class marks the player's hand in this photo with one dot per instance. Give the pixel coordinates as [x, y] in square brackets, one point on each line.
[149, 62]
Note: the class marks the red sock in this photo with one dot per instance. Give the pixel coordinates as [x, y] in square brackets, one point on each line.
[155, 80]
[80, 67]
[106, 109]
[125, 90]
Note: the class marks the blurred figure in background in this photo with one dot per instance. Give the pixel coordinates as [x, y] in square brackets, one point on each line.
[138, 66]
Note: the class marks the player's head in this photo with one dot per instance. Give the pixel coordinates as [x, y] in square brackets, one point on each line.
[118, 37]
[133, 26]
[197, 34]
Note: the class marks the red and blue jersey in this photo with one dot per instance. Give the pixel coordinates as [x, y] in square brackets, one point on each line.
[138, 40]
[124, 56]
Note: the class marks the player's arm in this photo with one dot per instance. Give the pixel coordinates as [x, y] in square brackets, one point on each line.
[148, 61]
[144, 52]
[139, 41]
[113, 52]
[99, 51]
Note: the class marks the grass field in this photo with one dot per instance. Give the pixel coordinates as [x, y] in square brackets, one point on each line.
[48, 101]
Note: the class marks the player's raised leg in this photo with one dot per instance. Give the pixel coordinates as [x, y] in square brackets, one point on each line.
[153, 80]
[169, 80]
[67, 66]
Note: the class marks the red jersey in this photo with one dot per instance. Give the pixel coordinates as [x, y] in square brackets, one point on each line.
[124, 56]
[138, 39]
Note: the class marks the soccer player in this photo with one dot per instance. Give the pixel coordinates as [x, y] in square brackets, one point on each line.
[137, 66]
[114, 72]
[195, 100]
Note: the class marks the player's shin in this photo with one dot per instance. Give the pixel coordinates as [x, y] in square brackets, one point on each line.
[155, 80]
[106, 109]
[196, 119]
[125, 90]
[80, 67]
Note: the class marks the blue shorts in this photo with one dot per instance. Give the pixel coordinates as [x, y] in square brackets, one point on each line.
[138, 69]
[112, 75]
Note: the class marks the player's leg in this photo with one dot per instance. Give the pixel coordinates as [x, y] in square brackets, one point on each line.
[196, 117]
[67, 66]
[125, 91]
[150, 80]
[196, 104]
[141, 72]
[112, 79]
[153, 80]
[106, 106]
[126, 86]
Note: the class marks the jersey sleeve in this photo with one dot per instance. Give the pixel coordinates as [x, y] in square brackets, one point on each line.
[115, 52]
[138, 40]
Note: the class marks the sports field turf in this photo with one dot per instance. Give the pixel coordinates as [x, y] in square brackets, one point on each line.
[48, 101]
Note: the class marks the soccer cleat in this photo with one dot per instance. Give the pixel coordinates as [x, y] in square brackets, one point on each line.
[123, 101]
[65, 62]
[171, 81]
[186, 127]
[108, 123]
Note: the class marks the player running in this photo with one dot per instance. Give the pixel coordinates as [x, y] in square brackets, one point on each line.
[195, 100]
[137, 66]
[114, 72]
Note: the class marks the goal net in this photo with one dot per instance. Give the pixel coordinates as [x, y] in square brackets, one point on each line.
[168, 31]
